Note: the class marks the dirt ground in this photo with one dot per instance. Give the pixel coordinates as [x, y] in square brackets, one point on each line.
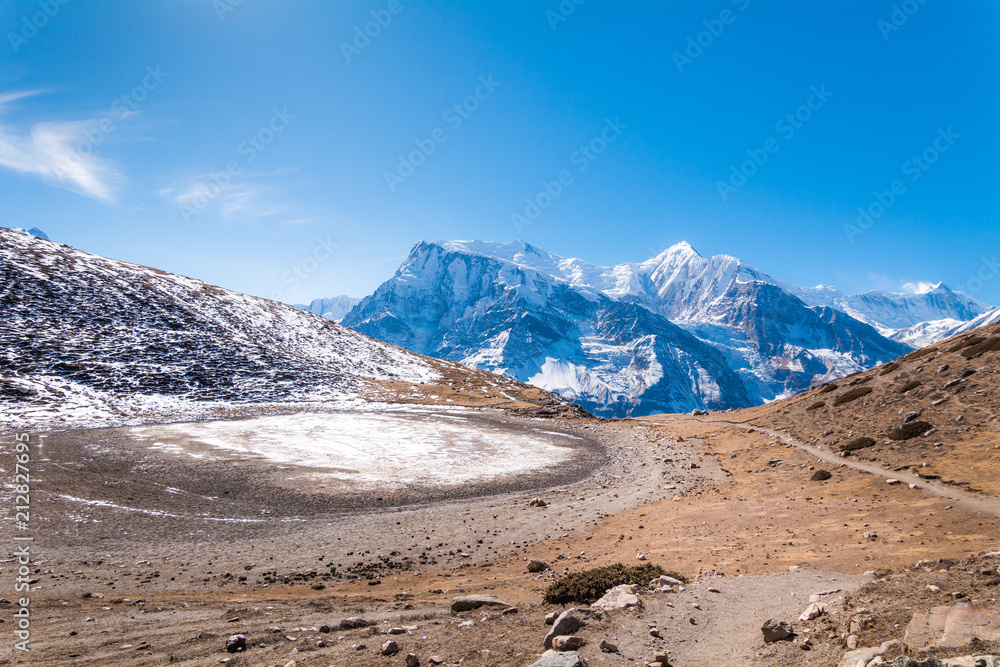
[159, 583]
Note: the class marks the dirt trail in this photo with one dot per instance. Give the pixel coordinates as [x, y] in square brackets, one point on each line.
[970, 501]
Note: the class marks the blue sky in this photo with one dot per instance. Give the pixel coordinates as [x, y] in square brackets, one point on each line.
[630, 126]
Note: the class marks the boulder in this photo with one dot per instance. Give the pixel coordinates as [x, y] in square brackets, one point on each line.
[814, 610]
[559, 659]
[570, 621]
[619, 597]
[821, 476]
[567, 642]
[236, 644]
[412, 660]
[389, 648]
[952, 627]
[664, 580]
[535, 565]
[775, 631]
[470, 602]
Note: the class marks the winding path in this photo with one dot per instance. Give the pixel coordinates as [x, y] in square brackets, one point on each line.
[971, 501]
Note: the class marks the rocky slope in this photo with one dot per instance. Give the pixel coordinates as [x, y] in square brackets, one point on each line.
[86, 338]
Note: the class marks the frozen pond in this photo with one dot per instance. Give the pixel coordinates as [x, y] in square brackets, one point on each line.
[386, 449]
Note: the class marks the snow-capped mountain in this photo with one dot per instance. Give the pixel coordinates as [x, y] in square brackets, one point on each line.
[116, 339]
[612, 357]
[332, 309]
[34, 231]
[612, 338]
[920, 317]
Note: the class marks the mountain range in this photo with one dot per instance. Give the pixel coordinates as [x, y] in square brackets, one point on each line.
[673, 333]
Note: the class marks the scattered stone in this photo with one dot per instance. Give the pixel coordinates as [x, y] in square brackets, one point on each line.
[640, 556]
[567, 642]
[508, 611]
[570, 621]
[435, 660]
[814, 610]
[608, 647]
[559, 659]
[619, 597]
[821, 476]
[910, 416]
[397, 631]
[775, 631]
[852, 642]
[654, 632]
[535, 565]
[869, 536]
[892, 481]
[699, 413]
[551, 617]
[324, 629]
[470, 602]
[236, 644]
[412, 660]
[706, 573]
[664, 580]
[389, 648]
[537, 502]
[953, 627]
[354, 622]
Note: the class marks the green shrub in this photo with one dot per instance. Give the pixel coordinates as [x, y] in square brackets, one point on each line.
[911, 430]
[590, 585]
[856, 444]
[852, 395]
[816, 406]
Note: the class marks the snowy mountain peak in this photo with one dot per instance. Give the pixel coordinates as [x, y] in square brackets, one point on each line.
[34, 231]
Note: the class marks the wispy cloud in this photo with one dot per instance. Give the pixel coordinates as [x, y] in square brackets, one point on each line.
[49, 150]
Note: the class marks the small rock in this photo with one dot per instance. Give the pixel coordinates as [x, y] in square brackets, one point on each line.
[508, 611]
[567, 642]
[236, 644]
[535, 565]
[397, 631]
[774, 631]
[470, 602]
[537, 502]
[570, 621]
[910, 416]
[324, 629]
[640, 556]
[892, 481]
[608, 647]
[654, 632]
[852, 642]
[551, 618]
[861, 622]
[354, 622]
[559, 659]
[619, 597]
[435, 660]
[664, 580]
[389, 648]
[821, 476]
[412, 660]
[814, 610]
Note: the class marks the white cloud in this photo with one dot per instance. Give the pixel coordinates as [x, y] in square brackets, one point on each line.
[59, 152]
[919, 287]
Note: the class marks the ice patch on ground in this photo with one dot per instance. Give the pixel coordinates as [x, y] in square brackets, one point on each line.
[387, 449]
